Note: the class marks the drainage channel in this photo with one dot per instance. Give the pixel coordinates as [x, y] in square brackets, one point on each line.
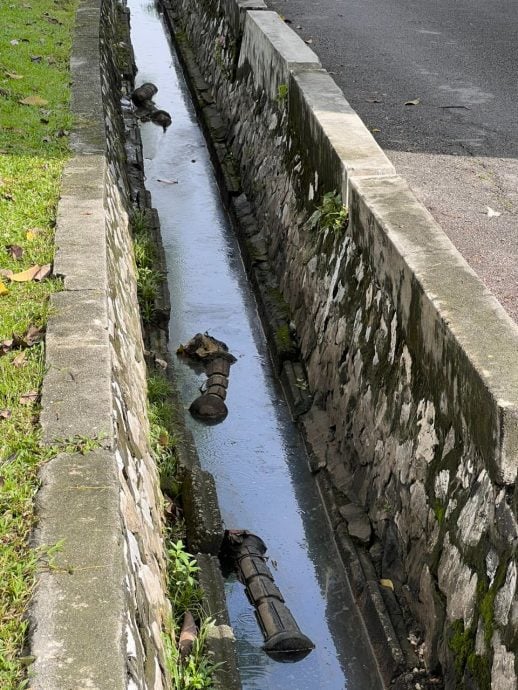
[256, 455]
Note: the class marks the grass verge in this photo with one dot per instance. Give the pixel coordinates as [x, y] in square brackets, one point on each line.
[35, 40]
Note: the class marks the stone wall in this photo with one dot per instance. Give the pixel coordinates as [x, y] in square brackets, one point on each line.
[99, 612]
[411, 362]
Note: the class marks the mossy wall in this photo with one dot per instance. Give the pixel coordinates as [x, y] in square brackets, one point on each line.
[414, 427]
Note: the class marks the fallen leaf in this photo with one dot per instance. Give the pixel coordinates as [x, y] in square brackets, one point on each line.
[5, 414]
[29, 398]
[14, 42]
[13, 75]
[15, 251]
[298, 26]
[167, 181]
[7, 196]
[36, 58]
[163, 438]
[33, 336]
[309, 40]
[6, 346]
[187, 635]
[19, 360]
[32, 233]
[6, 272]
[416, 101]
[491, 213]
[34, 100]
[25, 276]
[161, 363]
[387, 583]
[3, 290]
[374, 130]
[43, 273]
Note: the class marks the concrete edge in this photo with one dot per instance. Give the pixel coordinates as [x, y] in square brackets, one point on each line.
[79, 574]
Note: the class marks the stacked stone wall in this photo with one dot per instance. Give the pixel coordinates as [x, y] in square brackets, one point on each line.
[411, 363]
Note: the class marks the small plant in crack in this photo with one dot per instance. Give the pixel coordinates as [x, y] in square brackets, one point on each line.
[330, 215]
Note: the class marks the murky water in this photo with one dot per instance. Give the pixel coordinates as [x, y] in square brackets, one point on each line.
[256, 455]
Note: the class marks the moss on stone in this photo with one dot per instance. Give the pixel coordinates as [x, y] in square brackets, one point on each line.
[284, 340]
[462, 644]
[480, 669]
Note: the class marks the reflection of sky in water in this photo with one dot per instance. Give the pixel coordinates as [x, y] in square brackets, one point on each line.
[256, 454]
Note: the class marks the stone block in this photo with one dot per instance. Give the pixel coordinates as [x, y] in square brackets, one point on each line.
[272, 51]
[202, 514]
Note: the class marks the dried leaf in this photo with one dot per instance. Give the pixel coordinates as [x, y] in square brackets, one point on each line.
[19, 360]
[14, 42]
[34, 100]
[309, 40]
[5, 414]
[36, 58]
[26, 276]
[6, 346]
[163, 438]
[387, 583]
[167, 181]
[416, 101]
[43, 273]
[187, 635]
[3, 290]
[6, 272]
[491, 213]
[15, 251]
[13, 75]
[33, 336]
[375, 130]
[29, 398]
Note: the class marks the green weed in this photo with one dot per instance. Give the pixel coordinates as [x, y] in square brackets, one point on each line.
[331, 215]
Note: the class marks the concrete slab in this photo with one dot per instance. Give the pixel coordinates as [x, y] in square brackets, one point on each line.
[332, 130]
[457, 310]
[78, 611]
[81, 226]
[272, 51]
[235, 12]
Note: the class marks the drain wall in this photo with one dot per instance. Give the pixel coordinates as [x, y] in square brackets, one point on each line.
[411, 362]
[98, 614]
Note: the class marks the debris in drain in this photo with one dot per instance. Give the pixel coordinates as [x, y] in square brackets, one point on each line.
[204, 347]
[147, 111]
[143, 93]
[210, 405]
[284, 640]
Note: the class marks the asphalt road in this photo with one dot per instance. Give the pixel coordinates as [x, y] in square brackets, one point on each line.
[458, 147]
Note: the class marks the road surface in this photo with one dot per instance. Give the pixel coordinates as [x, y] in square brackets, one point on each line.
[458, 146]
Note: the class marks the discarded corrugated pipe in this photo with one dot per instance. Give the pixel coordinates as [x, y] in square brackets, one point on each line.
[142, 97]
[283, 638]
[210, 405]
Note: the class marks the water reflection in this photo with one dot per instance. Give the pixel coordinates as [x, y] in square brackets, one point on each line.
[256, 454]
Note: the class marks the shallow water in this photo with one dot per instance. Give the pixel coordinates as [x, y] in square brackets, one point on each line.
[256, 455]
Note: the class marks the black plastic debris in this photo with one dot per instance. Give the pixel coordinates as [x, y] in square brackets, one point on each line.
[283, 638]
[210, 405]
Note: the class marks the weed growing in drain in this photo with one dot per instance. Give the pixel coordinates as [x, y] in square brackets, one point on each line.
[331, 215]
[197, 669]
[34, 123]
[196, 672]
[148, 278]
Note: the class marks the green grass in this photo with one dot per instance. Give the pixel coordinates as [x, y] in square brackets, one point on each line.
[33, 150]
